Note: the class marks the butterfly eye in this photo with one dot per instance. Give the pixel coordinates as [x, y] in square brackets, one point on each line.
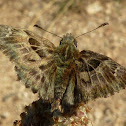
[75, 42]
[61, 41]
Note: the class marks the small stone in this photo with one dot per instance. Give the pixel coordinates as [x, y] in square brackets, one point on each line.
[4, 115]
[98, 114]
[94, 8]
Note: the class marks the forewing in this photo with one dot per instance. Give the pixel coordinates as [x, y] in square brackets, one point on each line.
[98, 76]
[32, 55]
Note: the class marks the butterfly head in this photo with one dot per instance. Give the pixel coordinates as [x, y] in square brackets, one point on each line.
[68, 39]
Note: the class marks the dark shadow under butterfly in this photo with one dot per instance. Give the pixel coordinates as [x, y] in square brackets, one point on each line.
[61, 75]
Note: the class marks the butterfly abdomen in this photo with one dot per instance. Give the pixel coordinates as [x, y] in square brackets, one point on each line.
[63, 87]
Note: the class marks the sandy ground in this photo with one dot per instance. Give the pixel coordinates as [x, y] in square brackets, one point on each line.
[80, 16]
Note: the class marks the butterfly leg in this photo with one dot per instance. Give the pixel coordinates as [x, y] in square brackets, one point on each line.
[56, 105]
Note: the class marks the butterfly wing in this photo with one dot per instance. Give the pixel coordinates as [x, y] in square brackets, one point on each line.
[98, 76]
[32, 56]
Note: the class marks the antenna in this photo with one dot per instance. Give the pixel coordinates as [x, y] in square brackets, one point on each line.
[46, 30]
[102, 25]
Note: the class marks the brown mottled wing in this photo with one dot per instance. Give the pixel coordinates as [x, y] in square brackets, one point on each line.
[98, 76]
[33, 58]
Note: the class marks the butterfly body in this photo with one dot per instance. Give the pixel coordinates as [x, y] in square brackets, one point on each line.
[65, 56]
[61, 75]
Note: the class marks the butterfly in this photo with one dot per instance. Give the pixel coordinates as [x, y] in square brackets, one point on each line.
[61, 75]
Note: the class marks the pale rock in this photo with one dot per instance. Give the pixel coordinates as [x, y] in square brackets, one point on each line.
[4, 115]
[94, 8]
